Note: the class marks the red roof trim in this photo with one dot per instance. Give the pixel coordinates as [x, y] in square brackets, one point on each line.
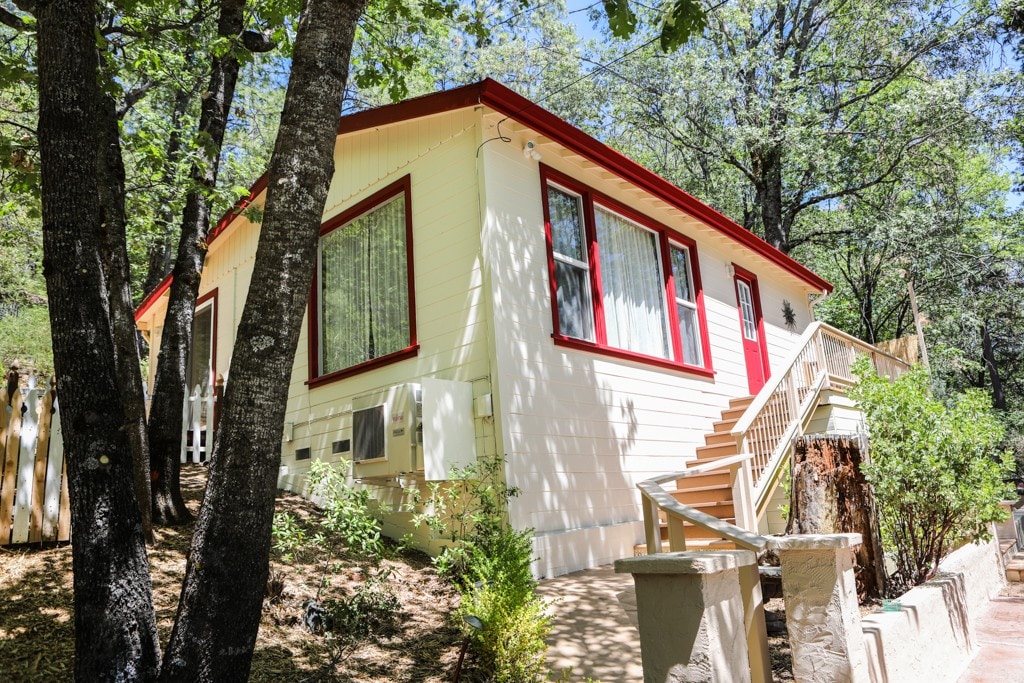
[515, 106]
[152, 297]
[506, 101]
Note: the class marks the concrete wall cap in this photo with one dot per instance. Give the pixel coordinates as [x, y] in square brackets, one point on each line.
[703, 562]
[814, 541]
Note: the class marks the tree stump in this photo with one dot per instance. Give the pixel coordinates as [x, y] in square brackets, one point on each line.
[829, 495]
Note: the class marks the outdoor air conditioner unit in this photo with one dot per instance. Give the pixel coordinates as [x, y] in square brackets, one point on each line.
[413, 429]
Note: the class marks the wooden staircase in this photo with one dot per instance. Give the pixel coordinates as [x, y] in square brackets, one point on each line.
[709, 492]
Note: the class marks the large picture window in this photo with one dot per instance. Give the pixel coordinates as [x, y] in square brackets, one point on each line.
[363, 293]
[621, 284]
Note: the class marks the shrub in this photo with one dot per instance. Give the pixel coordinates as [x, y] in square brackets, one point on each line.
[371, 609]
[499, 590]
[936, 470]
[490, 562]
[348, 511]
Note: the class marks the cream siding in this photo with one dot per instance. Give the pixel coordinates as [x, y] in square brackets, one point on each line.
[438, 153]
[580, 429]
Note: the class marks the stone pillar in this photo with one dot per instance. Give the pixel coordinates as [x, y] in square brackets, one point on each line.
[690, 612]
[822, 615]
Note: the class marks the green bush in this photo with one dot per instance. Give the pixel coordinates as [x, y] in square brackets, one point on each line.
[936, 469]
[348, 512]
[490, 562]
[500, 591]
[25, 338]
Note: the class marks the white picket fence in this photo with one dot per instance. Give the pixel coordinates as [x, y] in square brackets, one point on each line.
[34, 504]
[197, 423]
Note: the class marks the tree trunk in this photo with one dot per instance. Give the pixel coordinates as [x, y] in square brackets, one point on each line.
[221, 600]
[115, 626]
[114, 257]
[989, 356]
[169, 385]
[830, 495]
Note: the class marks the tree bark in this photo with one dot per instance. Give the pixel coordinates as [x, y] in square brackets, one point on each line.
[221, 600]
[114, 258]
[829, 495]
[115, 626]
[988, 354]
[169, 385]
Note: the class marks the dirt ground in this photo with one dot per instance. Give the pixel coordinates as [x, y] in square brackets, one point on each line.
[37, 635]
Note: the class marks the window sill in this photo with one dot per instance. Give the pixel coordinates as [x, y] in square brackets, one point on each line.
[591, 347]
[366, 366]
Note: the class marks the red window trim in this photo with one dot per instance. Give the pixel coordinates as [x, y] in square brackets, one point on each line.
[740, 273]
[212, 294]
[401, 186]
[591, 198]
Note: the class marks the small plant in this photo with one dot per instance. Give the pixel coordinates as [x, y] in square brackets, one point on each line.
[936, 470]
[373, 608]
[467, 510]
[348, 512]
[275, 586]
[287, 534]
[499, 590]
[489, 562]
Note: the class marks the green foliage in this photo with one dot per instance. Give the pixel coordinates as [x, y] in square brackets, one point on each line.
[490, 564]
[288, 536]
[469, 510]
[25, 338]
[499, 590]
[371, 609]
[936, 469]
[349, 512]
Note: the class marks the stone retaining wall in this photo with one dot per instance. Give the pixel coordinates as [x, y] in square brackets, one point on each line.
[931, 638]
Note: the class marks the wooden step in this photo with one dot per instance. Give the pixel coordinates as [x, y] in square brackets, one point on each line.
[703, 494]
[723, 426]
[722, 509]
[692, 530]
[719, 438]
[710, 479]
[716, 452]
[733, 413]
[741, 402]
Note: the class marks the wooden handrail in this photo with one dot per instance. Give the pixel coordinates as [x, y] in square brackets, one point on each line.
[820, 359]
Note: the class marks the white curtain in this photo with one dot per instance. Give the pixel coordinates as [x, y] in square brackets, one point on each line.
[364, 293]
[632, 286]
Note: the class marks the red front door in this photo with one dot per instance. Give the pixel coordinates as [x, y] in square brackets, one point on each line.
[755, 353]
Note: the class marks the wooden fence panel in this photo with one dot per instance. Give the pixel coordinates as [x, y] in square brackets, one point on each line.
[33, 488]
[10, 467]
[35, 528]
[26, 465]
[54, 473]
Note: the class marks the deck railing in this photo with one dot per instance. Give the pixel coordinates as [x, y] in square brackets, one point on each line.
[823, 358]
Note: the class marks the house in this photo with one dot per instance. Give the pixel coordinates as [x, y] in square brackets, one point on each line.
[534, 295]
